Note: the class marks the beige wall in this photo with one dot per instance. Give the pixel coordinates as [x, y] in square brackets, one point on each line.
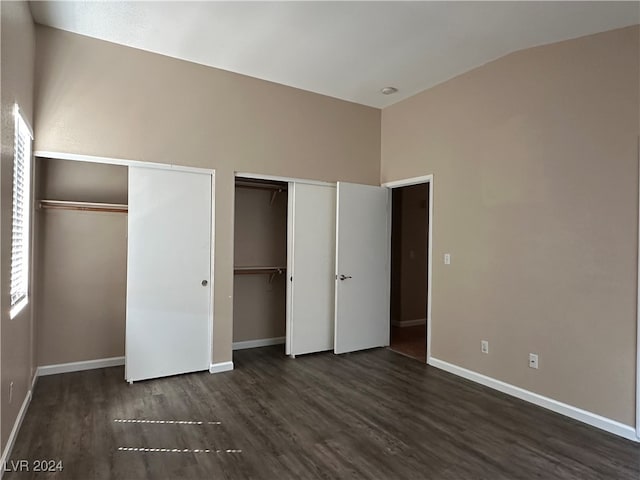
[16, 82]
[82, 181]
[98, 98]
[83, 275]
[259, 307]
[82, 264]
[535, 167]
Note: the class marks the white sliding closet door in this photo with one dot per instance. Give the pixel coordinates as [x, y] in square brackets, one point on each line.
[168, 273]
[362, 267]
[311, 268]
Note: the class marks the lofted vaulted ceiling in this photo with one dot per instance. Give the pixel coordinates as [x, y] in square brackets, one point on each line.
[347, 50]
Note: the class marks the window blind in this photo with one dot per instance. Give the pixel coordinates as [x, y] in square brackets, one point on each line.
[21, 205]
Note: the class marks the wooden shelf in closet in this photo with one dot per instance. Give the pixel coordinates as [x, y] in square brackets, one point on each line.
[84, 206]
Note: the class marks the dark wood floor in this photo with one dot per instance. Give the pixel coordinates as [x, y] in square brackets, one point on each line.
[410, 341]
[373, 414]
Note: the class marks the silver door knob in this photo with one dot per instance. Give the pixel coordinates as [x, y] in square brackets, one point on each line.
[204, 283]
[344, 277]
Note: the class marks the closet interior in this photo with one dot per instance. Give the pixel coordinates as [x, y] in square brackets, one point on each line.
[80, 256]
[260, 263]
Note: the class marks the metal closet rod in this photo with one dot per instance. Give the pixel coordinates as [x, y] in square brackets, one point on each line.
[266, 186]
[271, 271]
[258, 270]
[84, 206]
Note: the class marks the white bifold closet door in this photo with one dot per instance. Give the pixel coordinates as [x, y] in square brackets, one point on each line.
[311, 268]
[362, 267]
[168, 273]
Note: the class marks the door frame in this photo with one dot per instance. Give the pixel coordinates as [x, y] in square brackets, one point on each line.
[638, 306]
[425, 179]
[162, 166]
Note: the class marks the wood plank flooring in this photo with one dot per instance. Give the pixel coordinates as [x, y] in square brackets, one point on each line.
[410, 341]
[367, 415]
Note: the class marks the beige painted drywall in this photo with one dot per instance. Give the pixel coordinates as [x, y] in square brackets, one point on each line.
[535, 167]
[259, 307]
[17, 45]
[82, 181]
[98, 98]
[83, 273]
[82, 264]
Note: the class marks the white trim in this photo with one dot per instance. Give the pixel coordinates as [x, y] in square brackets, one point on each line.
[638, 305]
[274, 178]
[261, 342]
[34, 380]
[18, 307]
[212, 275]
[593, 419]
[409, 181]
[44, 370]
[416, 181]
[119, 161]
[291, 195]
[409, 323]
[221, 367]
[16, 427]
[16, 112]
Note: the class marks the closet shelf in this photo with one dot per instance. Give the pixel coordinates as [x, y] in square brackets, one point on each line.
[84, 206]
[272, 271]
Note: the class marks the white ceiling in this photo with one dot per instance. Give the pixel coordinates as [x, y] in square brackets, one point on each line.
[347, 50]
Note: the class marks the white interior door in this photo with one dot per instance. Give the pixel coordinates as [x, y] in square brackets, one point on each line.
[168, 273]
[362, 267]
[311, 268]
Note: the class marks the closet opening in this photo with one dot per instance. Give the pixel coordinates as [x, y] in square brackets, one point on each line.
[109, 288]
[80, 263]
[260, 263]
[409, 270]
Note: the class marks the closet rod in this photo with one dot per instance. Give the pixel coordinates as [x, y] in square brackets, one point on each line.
[271, 271]
[84, 206]
[258, 270]
[278, 188]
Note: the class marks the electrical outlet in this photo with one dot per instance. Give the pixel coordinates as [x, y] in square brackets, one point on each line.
[447, 259]
[484, 346]
[10, 392]
[533, 360]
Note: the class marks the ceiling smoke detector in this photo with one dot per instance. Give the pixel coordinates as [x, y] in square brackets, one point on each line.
[389, 90]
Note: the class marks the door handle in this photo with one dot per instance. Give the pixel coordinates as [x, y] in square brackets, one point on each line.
[344, 277]
[204, 283]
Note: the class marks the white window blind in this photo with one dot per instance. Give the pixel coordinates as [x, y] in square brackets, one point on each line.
[21, 206]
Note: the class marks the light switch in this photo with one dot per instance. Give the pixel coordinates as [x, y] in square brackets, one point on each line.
[447, 259]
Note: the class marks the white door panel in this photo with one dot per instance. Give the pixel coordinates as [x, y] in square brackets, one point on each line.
[363, 260]
[310, 322]
[169, 257]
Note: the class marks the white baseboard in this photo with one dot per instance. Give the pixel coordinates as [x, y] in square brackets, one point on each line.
[6, 454]
[79, 366]
[221, 367]
[593, 419]
[261, 342]
[409, 323]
